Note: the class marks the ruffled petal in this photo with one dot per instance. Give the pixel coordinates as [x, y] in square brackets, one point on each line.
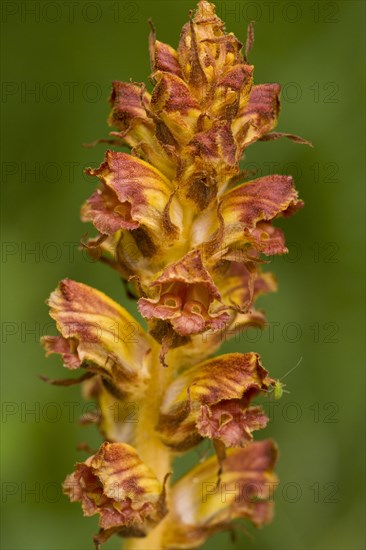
[267, 239]
[173, 103]
[232, 91]
[130, 114]
[208, 162]
[230, 423]
[129, 103]
[98, 334]
[133, 195]
[200, 505]
[258, 116]
[118, 486]
[245, 207]
[183, 296]
[212, 400]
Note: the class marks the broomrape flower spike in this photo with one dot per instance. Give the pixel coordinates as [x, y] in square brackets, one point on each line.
[178, 222]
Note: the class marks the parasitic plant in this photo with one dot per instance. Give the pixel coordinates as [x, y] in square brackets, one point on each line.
[179, 223]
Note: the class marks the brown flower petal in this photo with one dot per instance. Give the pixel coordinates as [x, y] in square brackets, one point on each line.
[212, 400]
[205, 51]
[230, 423]
[162, 56]
[246, 206]
[99, 334]
[134, 194]
[200, 506]
[118, 486]
[130, 107]
[259, 116]
[267, 239]
[184, 294]
[175, 106]
[232, 91]
[129, 103]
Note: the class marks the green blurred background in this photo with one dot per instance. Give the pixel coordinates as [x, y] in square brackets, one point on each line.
[59, 59]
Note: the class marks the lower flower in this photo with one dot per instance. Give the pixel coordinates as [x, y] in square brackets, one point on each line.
[118, 486]
[201, 505]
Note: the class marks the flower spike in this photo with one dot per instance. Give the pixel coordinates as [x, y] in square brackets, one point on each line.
[190, 238]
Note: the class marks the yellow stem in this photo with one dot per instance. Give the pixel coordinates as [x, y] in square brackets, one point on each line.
[151, 542]
[148, 445]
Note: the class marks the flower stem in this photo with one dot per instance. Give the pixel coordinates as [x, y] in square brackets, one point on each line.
[147, 443]
[151, 542]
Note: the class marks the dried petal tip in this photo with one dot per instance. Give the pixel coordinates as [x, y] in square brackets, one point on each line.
[98, 334]
[185, 292]
[248, 210]
[118, 486]
[212, 400]
[200, 506]
[133, 194]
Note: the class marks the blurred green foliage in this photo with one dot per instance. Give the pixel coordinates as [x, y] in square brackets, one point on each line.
[68, 53]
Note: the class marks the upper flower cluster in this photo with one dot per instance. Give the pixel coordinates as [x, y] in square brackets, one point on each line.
[178, 221]
[170, 215]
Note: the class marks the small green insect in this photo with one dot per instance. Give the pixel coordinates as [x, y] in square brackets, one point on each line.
[277, 388]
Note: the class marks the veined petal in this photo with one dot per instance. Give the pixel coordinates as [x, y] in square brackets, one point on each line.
[231, 423]
[260, 200]
[134, 194]
[130, 105]
[200, 506]
[205, 345]
[258, 116]
[240, 282]
[163, 57]
[215, 144]
[184, 293]
[99, 334]
[64, 347]
[240, 321]
[236, 283]
[232, 91]
[267, 239]
[205, 51]
[207, 163]
[174, 105]
[118, 486]
[107, 213]
[212, 400]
